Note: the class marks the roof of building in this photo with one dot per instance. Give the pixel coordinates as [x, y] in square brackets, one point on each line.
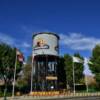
[51, 33]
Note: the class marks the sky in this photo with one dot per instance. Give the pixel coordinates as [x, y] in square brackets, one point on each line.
[77, 22]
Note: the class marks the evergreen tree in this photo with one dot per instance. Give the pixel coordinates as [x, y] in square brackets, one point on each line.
[7, 63]
[95, 66]
[68, 69]
[61, 73]
[78, 69]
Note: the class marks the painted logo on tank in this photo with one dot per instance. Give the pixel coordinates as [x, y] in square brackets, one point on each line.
[41, 44]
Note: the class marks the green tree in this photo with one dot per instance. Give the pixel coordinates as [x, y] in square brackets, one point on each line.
[25, 81]
[7, 62]
[27, 70]
[68, 69]
[95, 66]
[61, 73]
[78, 69]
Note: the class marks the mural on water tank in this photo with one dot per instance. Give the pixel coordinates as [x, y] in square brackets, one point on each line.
[41, 44]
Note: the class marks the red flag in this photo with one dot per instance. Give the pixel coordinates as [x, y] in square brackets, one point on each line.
[19, 55]
[20, 58]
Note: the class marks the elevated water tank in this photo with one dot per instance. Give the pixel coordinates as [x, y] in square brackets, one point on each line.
[46, 44]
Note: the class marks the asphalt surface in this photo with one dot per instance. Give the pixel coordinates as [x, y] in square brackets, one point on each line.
[77, 98]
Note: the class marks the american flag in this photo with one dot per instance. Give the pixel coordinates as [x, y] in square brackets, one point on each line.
[19, 56]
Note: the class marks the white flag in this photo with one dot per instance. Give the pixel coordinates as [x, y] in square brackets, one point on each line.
[90, 62]
[86, 60]
[77, 60]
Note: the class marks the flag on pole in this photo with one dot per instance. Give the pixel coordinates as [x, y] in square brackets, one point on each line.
[87, 61]
[77, 60]
[90, 62]
[19, 56]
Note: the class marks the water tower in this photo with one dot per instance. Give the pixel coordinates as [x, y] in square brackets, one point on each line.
[45, 61]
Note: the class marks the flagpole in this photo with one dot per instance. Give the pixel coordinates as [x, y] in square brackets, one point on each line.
[86, 80]
[73, 79]
[14, 77]
[32, 76]
[87, 89]
[77, 60]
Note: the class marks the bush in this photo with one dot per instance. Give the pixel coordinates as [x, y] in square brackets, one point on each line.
[7, 94]
[1, 94]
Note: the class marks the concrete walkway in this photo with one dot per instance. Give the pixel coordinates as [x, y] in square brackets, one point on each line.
[70, 96]
[55, 98]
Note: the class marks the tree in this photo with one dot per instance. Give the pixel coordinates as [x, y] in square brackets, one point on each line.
[78, 68]
[6, 66]
[25, 81]
[95, 66]
[61, 73]
[7, 62]
[68, 69]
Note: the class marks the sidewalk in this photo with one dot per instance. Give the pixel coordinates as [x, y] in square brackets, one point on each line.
[71, 95]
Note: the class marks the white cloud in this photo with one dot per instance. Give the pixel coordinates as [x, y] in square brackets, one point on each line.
[77, 41]
[7, 39]
[26, 45]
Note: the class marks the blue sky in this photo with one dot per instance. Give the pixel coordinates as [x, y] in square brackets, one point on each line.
[76, 21]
